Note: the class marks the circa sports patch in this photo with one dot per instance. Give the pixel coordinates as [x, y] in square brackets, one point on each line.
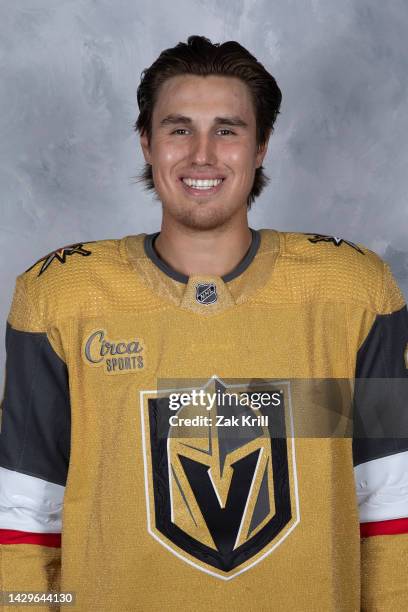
[334, 240]
[113, 356]
[61, 256]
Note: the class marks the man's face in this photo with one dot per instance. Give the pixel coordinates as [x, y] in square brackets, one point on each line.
[203, 128]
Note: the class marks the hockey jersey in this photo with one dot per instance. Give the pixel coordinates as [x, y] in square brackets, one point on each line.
[193, 443]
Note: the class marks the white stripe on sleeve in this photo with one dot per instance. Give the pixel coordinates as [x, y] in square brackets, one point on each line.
[28, 503]
[382, 488]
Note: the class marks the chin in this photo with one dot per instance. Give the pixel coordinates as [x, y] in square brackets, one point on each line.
[204, 219]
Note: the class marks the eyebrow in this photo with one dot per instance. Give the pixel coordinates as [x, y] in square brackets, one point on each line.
[174, 119]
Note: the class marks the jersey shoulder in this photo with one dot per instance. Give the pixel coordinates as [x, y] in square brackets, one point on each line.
[323, 267]
[63, 281]
[74, 262]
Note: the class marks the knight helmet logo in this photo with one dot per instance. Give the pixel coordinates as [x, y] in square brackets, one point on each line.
[221, 498]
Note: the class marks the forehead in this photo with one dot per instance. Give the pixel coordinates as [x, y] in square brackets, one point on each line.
[196, 96]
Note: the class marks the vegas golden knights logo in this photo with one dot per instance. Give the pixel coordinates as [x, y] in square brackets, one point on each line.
[221, 486]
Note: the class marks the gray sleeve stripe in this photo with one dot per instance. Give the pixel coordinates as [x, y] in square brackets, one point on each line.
[36, 419]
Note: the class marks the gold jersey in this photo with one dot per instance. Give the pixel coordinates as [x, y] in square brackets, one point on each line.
[117, 488]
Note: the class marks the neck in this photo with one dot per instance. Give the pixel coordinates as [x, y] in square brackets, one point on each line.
[212, 252]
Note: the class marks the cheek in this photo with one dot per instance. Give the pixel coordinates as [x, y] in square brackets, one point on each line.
[166, 154]
[239, 156]
[169, 156]
[165, 162]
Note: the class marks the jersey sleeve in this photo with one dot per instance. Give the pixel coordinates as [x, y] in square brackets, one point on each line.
[380, 454]
[34, 451]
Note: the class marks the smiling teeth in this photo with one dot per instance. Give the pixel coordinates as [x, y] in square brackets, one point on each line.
[202, 183]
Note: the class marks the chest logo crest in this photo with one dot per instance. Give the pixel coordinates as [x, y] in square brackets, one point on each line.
[220, 474]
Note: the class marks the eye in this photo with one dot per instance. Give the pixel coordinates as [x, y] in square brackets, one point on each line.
[179, 130]
[227, 130]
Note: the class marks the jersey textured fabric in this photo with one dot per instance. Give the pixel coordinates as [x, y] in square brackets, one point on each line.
[95, 499]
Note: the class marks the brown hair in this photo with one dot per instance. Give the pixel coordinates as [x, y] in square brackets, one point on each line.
[200, 57]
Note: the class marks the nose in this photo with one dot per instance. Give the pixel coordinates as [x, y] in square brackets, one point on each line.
[203, 150]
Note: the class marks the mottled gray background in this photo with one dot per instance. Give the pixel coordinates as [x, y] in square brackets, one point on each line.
[338, 159]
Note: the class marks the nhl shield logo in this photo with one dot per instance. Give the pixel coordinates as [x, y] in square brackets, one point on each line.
[221, 500]
[206, 293]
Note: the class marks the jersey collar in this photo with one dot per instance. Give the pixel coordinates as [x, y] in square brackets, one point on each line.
[153, 255]
[203, 294]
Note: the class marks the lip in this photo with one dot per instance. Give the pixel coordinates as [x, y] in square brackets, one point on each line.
[202, 192]
[202, 177]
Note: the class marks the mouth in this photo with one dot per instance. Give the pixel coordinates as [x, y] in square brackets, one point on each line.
[200, 187]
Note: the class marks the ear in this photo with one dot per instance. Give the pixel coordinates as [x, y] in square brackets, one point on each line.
[144, 143]
[261, 152]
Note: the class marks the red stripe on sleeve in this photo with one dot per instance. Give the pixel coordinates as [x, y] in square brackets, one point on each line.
[391, 527]
[12, 536]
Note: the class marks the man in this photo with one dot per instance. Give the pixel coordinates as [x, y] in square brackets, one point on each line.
[121, 353]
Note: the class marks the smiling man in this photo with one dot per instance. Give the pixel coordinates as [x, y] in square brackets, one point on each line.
[203, 163]
[124, 356]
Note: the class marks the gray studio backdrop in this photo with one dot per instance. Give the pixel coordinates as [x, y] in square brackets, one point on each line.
[69, 71]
